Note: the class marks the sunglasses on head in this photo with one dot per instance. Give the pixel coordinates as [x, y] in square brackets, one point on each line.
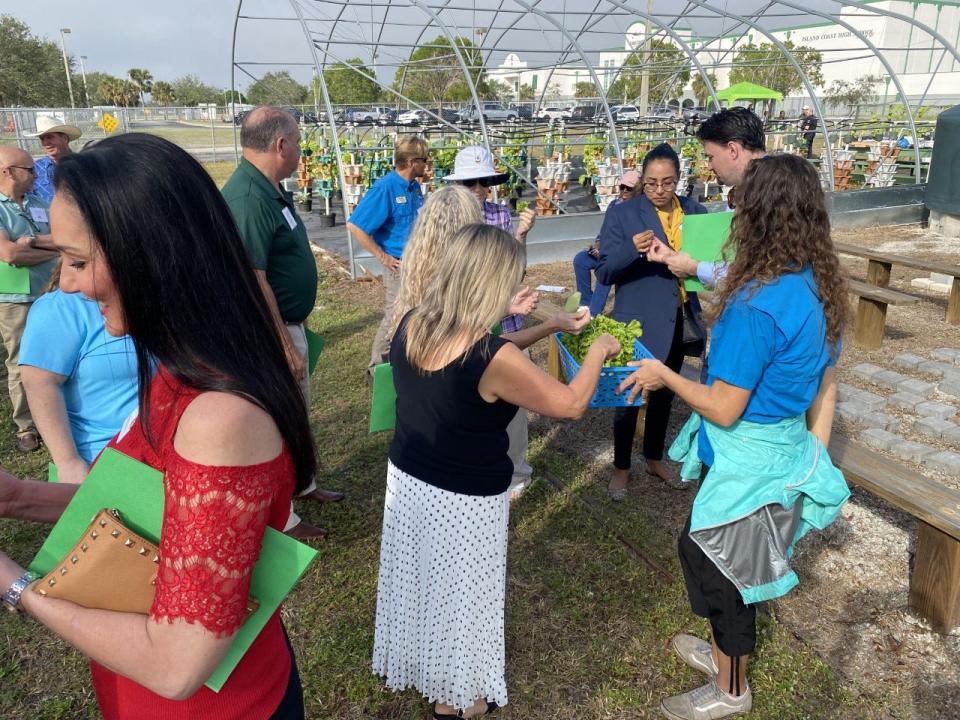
[485, 182]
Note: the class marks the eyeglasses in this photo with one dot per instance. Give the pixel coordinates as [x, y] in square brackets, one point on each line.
[626, 188]
[666, 185]
[32, 170]
[485, 182]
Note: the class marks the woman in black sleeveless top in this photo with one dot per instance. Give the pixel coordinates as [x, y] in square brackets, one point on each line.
[443, 553]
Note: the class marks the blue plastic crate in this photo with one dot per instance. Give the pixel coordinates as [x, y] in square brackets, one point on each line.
[610, 377]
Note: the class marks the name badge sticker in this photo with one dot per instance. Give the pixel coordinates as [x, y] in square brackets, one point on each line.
[39, 214]
[401, 199]
[288, 216]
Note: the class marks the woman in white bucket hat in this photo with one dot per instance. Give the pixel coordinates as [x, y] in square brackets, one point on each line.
[55, 137]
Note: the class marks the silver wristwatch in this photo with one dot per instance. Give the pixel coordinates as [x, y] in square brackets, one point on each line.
[11, 598]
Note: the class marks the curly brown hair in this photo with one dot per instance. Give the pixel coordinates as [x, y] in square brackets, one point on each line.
[781, 225]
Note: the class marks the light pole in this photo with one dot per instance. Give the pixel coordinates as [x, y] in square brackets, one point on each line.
[83, 74]
[66, 65]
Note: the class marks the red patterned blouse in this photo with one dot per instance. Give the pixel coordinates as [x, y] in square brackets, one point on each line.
[213, 523]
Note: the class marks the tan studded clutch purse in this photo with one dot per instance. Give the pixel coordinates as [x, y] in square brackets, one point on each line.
[110, 568]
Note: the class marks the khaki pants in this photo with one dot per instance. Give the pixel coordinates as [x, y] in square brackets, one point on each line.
[299, 338]
[381, 343]
[13, 318]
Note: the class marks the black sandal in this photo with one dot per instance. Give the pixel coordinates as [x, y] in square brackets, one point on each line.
[491, 706]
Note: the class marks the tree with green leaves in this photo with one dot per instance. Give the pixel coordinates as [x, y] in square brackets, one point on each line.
[498, 90]
[526, 92]
[585, 90]
[31, 68]
[277, 88]
[765, 65]
[853, 94]
[349, 82]
[699, 88]
[163, 94]
[432, 74]
[668, 68]
[191, 91]
[117, 91]
[142, 79]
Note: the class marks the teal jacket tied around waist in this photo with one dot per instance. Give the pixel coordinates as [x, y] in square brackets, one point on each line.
[769, 485]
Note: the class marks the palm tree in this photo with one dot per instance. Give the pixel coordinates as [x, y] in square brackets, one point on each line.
[162, 93]
[142, 79]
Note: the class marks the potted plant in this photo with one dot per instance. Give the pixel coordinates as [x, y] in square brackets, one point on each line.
[304, 201]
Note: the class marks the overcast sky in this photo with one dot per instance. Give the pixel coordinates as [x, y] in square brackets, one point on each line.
[175, 37]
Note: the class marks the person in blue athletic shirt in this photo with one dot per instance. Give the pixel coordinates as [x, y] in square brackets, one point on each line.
[761, 423]
[81, 382]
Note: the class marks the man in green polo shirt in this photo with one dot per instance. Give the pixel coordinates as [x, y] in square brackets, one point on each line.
[23, 223]
[276, 239]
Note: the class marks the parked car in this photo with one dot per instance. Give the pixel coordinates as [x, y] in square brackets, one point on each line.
[664, 112]
[624, 113]
[584, 112]
[367, 115]
[420, 116]
[524, 112]
[310, 118]
[492, 112]
[553, 113]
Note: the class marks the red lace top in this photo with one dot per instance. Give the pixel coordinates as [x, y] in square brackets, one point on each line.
[213, 524]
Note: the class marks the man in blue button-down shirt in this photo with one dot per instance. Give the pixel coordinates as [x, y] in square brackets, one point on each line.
[24, 229]
[382, 222]
[55, 137]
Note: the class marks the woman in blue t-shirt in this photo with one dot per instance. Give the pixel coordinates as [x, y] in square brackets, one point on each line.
[81, 382]
[761, 423]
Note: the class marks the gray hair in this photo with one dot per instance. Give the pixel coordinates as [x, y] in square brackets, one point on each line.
[263, 125]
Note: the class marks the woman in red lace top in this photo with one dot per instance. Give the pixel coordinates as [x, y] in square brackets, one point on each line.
[223, 419]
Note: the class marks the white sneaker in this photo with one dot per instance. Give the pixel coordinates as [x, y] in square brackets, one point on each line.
[696, 653]
[706, 703]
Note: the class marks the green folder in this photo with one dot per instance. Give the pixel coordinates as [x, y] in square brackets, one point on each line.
[314, 348]
[136, 490]
[703, 239]
[383, 403]
[14, 280]
[52, 473]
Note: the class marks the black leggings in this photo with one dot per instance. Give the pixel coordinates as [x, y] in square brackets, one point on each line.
[714, 597]
[658, 412]
[291, 704]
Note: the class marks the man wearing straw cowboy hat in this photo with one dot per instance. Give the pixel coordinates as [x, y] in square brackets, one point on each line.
[55, 137]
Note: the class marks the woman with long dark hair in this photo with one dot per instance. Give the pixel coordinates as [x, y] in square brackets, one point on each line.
[223, 418]
[761, 423]
[647, 291]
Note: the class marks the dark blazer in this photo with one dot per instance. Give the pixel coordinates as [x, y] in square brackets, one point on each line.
[646, 291]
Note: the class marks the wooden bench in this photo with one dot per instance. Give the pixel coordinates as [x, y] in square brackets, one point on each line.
[879, 265]
[935, 582]
[872, 311]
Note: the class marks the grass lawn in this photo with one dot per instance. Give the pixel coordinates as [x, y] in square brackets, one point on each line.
[189, 136]
[588, 625]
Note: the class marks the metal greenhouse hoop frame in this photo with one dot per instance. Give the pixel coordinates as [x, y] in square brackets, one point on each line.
[568, 35]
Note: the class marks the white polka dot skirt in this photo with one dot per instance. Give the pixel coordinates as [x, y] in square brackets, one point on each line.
[443, 561]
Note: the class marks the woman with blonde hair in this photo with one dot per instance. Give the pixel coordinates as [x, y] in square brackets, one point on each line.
[446, 211]
[443, 552]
